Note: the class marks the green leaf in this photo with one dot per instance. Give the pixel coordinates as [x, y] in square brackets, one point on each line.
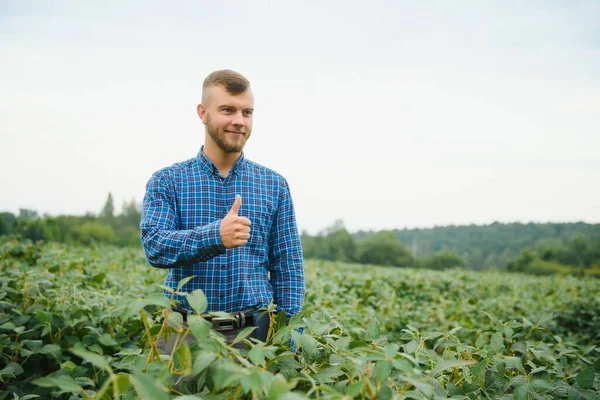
[390, 350]
[52, 349]
[279, 386]
[454, 330]
[65, 383]
[99, 278]
[540, 384]
[106, 340]
[309, 345]
[93, 358]
[202, 361]
[491, 378]
[382, 370]
[497, 341]
[184, 356]
[520, 392]
[373, 330]
[13, 369]
[454, 390]
[585, 379]
[354, 389]
[242, 335]
[447, 364]
[45, 382]
[221, 314]
[514, 363]
[199, 326]
[175, 320]
[183, 282]
[8, 326]
[328, 375]
[145, 387]
[412, 346]
[384, 393]
[432, 335]
[257, 355]
[43, 316]
[424, 388]
[198, 301]
[403, 365]
[293, 396]
[68, 366]
[480, 342]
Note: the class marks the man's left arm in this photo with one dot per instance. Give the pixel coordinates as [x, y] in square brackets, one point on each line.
[285, 256]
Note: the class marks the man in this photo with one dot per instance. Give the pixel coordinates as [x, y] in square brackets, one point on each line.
[225, 220]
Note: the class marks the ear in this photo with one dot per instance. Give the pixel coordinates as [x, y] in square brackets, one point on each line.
[201, 110]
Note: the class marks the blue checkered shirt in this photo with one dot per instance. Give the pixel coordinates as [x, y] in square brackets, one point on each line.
[181, 216]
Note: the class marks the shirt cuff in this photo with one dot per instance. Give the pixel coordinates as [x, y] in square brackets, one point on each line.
[210, 239]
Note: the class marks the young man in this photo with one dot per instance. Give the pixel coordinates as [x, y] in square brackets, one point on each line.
[225, 220]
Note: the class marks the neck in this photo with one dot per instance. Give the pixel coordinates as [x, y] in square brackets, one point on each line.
[222, 160]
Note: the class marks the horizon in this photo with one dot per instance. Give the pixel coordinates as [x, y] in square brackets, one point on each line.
[322, 229]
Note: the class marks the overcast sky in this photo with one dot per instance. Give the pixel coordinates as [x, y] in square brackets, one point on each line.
[384, 114]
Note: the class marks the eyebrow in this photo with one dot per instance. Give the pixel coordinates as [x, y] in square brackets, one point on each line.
[230, 106]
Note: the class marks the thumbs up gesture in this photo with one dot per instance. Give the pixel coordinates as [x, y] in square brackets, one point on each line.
[235, 230]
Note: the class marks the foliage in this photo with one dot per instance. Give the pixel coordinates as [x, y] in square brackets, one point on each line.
[384, 248]
[84, 322]
[442, 260]
[121, 229]
[493, 245]
[92, 232]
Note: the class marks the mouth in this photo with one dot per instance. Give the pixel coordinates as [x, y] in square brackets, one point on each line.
[235, 133]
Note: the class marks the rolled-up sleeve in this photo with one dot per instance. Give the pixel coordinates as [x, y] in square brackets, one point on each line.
[285, 257]
[165, 245]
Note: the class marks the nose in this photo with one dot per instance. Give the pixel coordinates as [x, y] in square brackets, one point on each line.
[238, 119]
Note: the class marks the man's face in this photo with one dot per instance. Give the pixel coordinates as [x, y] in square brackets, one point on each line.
[228, 118]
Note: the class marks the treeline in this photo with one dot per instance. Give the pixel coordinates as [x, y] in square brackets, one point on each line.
[580, 253]
[534, 248]
[494, 245]
[381, 248]
[106, 227]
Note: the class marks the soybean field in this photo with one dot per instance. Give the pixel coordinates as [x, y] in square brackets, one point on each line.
[83, 323]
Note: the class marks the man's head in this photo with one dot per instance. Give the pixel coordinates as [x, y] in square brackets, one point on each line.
[226, 110]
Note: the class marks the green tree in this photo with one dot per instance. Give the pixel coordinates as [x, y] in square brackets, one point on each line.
[108, 211]
[7, 220]
[25, 213]
[444, 260]
[131, 214]
[523, 262]
[383, 248]
[341, 246]
[92, 232]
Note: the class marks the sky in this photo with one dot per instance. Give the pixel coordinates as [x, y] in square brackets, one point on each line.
[385, 114]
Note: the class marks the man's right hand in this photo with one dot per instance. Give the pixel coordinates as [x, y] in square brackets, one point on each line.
[235, 230]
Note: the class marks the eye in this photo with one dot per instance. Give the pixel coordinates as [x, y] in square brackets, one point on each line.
[226, 110]
[248, 113]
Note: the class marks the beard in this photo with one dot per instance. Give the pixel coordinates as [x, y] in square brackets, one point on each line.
[219, 136]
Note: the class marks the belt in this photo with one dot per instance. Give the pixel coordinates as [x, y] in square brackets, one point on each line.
[241, 319]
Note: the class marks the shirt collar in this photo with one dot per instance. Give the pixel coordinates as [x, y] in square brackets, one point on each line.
[209, 167]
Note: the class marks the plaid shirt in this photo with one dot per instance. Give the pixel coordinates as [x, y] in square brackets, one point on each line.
[181, 216]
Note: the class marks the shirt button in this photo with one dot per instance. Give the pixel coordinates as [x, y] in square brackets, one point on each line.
[221, 295]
